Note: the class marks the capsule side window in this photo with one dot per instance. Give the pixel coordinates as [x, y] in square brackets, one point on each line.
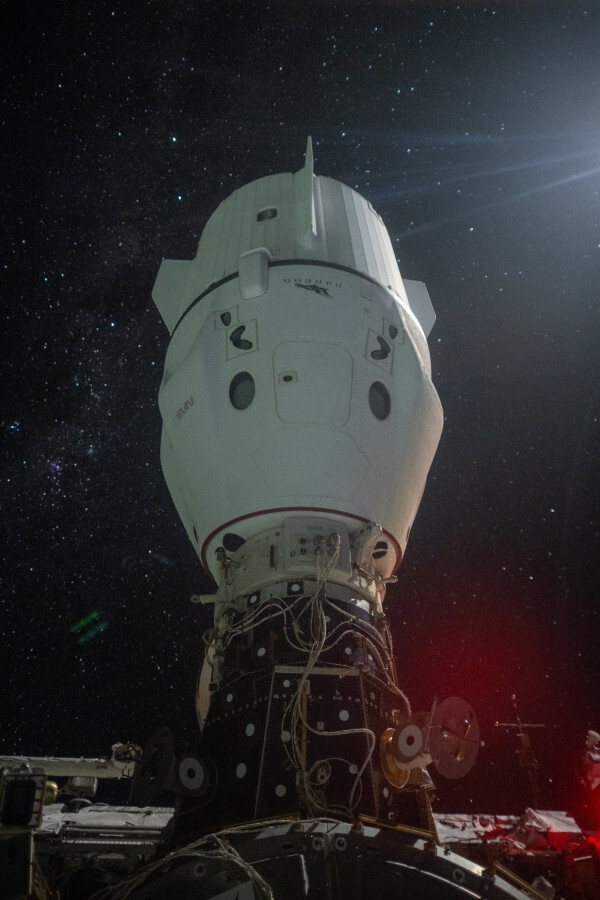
[381, 549]
[242, 390]
[263, 215]
[379, 400]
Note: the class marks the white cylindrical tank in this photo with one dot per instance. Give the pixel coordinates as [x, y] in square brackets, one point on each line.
[297, 380]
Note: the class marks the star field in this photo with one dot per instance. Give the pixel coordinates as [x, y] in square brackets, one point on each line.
[473, 128]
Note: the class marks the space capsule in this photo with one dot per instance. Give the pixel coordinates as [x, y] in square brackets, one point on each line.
[297, 383]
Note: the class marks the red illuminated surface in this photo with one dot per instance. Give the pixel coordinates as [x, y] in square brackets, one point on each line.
[595, 840]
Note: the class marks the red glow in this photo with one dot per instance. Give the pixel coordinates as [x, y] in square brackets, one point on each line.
[474, 638]
[594, 839]
[487, 651]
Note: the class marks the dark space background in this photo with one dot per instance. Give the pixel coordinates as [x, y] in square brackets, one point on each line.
[474, 129]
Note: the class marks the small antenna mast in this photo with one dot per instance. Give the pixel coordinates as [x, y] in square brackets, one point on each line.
[525, 754]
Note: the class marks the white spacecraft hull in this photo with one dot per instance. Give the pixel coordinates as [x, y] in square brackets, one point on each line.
[297, 380]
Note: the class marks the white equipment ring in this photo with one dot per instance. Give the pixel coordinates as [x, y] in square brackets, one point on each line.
[410, 741]
[191, 773]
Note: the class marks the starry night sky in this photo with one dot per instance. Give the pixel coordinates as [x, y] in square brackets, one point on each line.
[474, 129]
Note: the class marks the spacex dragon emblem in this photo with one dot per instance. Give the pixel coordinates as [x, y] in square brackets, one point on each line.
[316, 288]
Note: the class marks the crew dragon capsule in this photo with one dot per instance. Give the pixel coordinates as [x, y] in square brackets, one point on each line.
[300, 422]
[297, 384]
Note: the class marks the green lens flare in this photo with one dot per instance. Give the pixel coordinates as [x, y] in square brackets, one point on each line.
[79, 626]
[89, 626]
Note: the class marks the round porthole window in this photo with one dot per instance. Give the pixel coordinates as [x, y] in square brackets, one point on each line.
[379, 400]
[241, 390]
